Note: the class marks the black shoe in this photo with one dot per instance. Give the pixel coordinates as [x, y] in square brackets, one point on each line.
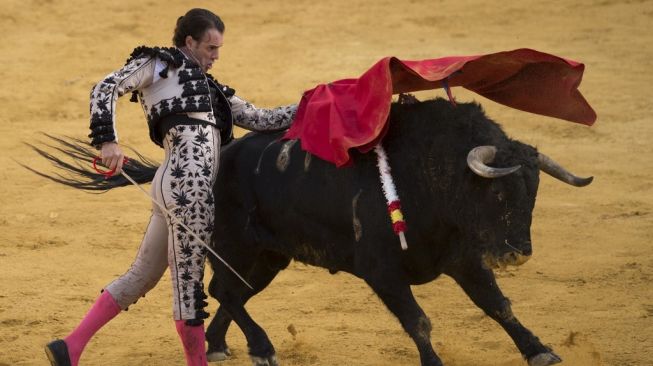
[57, 352]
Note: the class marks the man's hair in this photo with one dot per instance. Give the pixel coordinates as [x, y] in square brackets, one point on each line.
[195, 23]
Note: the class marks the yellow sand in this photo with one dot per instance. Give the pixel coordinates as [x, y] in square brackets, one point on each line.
[586, 291]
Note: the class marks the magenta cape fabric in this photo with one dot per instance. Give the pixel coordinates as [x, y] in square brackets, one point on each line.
[352, 113]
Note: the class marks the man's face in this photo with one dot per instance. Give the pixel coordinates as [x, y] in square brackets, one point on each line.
[206, 50]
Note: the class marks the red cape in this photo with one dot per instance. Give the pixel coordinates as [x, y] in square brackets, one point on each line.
[352, 113]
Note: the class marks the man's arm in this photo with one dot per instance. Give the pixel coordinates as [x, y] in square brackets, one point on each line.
[137, 74]
[247, 115]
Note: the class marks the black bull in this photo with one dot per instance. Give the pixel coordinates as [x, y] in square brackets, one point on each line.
[275, 203]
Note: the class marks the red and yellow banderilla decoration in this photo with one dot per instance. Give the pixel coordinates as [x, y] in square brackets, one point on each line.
[390, 192]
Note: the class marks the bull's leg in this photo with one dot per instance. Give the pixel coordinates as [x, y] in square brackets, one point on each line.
[480, 285]
[260, 276]
[400, 301]
[232, 296]
[215, 336]
[261, 349]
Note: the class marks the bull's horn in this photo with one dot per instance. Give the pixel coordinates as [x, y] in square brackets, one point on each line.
[554, 169]
[481, 155]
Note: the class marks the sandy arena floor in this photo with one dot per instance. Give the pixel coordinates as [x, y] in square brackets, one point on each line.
[587, 291]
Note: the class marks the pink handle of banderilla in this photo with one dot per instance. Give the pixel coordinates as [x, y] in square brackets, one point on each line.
[107, 173]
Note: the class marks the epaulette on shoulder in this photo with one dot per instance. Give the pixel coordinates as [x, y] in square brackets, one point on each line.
[170, 55]
[225, 89]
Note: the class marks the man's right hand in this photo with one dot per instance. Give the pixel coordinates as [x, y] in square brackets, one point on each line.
[112, 156]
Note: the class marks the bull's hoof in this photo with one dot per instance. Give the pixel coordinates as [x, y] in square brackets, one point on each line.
[544, 359]
[268, 361]
[217, 356]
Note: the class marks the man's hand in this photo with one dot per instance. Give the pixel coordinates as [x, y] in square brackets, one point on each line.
[112, 156]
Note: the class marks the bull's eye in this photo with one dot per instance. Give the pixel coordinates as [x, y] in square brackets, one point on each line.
[500, 196]
[484, 235]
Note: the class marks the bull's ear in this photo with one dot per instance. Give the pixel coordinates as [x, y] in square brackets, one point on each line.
[550, 167]
[478, 157]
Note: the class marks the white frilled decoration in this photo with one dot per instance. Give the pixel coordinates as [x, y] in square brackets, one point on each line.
[390, 192]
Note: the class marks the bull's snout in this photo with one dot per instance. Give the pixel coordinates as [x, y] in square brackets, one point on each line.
[512, 257]
[515, 259]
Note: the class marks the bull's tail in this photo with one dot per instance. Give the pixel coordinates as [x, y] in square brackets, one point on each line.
[77, 171]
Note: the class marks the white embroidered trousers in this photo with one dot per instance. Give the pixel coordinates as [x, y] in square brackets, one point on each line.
[184, 184]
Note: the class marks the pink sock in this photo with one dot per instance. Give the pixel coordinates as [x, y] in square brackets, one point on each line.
[192, 337]
[104, 309]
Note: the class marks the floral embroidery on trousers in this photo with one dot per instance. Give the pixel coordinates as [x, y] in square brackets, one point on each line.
[192, 157]
[184, 184]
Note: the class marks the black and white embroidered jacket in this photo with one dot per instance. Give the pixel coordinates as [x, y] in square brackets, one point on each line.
[167, 83]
